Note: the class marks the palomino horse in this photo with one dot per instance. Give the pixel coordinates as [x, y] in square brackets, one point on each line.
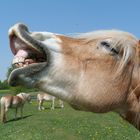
[96, 71]
[10, 101]
[44, 96]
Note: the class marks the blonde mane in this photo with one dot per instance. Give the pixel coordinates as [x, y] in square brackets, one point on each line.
[102, 33]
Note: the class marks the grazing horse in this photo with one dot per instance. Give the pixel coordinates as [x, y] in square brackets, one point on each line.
[96, 71]
[44, 96]
[10, 101]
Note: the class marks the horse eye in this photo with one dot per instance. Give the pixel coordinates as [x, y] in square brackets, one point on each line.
[105, 44]
[114, 51]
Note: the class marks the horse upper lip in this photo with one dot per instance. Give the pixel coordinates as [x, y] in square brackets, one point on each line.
[20, 31]
[23, 44]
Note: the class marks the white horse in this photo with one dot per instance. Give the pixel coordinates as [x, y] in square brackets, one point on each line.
[96, 71]
[10, 101]
[41, 97]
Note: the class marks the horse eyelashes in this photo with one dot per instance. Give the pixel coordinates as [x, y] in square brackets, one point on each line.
[108, 46]
[114, 51]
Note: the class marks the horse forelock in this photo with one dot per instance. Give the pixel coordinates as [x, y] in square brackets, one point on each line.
[129, 54]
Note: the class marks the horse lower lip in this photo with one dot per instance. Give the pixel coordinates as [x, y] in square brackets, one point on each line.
[14, 78]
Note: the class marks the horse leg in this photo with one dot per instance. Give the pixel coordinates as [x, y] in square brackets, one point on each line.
[52, 106]
[39, 104]
[61, 103]
[42, 107]
[4, 115]
[2, 112]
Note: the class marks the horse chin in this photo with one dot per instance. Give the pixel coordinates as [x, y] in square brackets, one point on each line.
[22, 75]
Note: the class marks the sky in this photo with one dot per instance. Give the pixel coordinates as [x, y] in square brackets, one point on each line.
[65, 17]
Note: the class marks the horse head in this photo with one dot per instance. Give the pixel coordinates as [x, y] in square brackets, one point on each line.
[25, 96]
[92, 71]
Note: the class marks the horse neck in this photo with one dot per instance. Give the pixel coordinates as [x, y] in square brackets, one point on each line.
[22, 97]
[132, 112]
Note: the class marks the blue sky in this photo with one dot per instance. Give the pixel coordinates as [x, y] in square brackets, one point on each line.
[65, 16]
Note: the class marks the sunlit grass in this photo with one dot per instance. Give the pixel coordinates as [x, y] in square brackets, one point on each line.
[66, 124]
[5, 91]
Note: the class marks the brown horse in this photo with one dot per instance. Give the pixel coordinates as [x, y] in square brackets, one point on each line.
[10, 101]
[96, 71]
[41, 97]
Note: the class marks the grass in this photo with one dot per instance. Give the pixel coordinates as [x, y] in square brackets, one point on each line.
[66, 124]
[5, 91]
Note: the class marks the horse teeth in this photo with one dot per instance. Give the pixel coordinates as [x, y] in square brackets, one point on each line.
[20, 64]
[16, 65]
[25, 65]
[26, 62]
[29, 61]
[18, 60]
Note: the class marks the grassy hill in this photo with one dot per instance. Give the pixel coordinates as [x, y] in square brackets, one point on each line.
[66, 124]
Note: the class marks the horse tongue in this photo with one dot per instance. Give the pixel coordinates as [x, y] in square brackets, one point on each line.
[22, 53]
[20, 56]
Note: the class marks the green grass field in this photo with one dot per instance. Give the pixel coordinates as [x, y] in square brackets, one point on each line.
[66, 124]
[5, 91]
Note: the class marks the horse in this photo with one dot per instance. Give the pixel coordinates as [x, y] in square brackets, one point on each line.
[95, 71]
[41, 97]
[11, 101]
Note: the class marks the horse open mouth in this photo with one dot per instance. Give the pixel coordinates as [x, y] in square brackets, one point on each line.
[29, 53]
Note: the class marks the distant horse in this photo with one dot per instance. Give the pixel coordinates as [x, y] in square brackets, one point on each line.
[44, 96]
[96, 71]
[10, 101]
